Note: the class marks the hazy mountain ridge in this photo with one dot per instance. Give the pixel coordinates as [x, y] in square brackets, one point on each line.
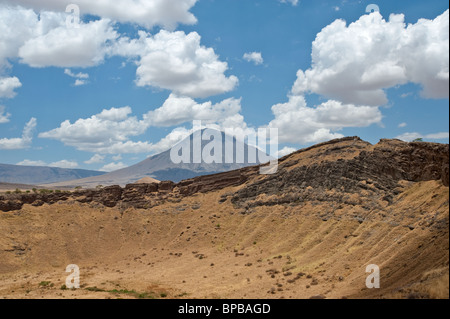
[33, 175]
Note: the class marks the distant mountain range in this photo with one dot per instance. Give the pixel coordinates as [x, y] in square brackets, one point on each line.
[162, 168]
[34, 175]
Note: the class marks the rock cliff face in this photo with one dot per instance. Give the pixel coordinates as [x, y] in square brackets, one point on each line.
[333, 171]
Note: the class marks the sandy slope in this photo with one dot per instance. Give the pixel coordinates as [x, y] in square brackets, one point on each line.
[198, 248]
[310, 230]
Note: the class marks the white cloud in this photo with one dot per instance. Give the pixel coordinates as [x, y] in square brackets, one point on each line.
[178, 110]
[96, 159]
[298, 123]
[32, 163]
[146, 13]
[22, 142]
[85, 46]
[178, 62]
[17, 25]
[403, 125]
[117, 158]
[355, 63]
[79, 82]
[408, 137]
[4, 117]
[7, 87]
[61, 164]
[286, 151]
[80, 75]
[115, 114]
[173, 138]
[44, 39]
[105, 133]
[81, 78]
[293, 2]
[64, 164]
[255, 57]
[168, 60]
[113, 167]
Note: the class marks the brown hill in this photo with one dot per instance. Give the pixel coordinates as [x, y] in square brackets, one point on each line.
[147, 180]
[309, 230]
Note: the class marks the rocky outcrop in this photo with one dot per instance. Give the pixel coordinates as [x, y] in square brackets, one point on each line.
[372, 175]
[330, 174]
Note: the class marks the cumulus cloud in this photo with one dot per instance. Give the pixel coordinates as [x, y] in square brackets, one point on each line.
[96, 159]
[4, 117]
[356, 63]
[293, 2]
[113, 167]
[21, 142]
[44, 39]
[177, 61]
[17, 25]
[178, 110]
[110, 131]
[146, 13]
[173, 138]
[7, 87]
[286, 151]
[64, 164]
[85, 46]
[106, 133]
[409, 137]
[31, 163]
[298, 123]
[81, 78]
[255, 57]
[59, 164]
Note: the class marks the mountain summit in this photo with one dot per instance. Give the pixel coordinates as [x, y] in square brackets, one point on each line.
[162, 167]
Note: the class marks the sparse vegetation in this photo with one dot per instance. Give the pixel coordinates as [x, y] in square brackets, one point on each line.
[46, 284]
[131, 293]
[45, 191]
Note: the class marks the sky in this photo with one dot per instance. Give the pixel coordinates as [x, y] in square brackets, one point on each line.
[128, 78]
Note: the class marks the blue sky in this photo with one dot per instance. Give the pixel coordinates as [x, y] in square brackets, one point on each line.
[131, 79]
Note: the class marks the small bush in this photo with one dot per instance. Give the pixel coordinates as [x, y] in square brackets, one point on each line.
[45, 284]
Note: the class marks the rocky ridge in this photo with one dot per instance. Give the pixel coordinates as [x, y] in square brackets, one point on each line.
[333, 171]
